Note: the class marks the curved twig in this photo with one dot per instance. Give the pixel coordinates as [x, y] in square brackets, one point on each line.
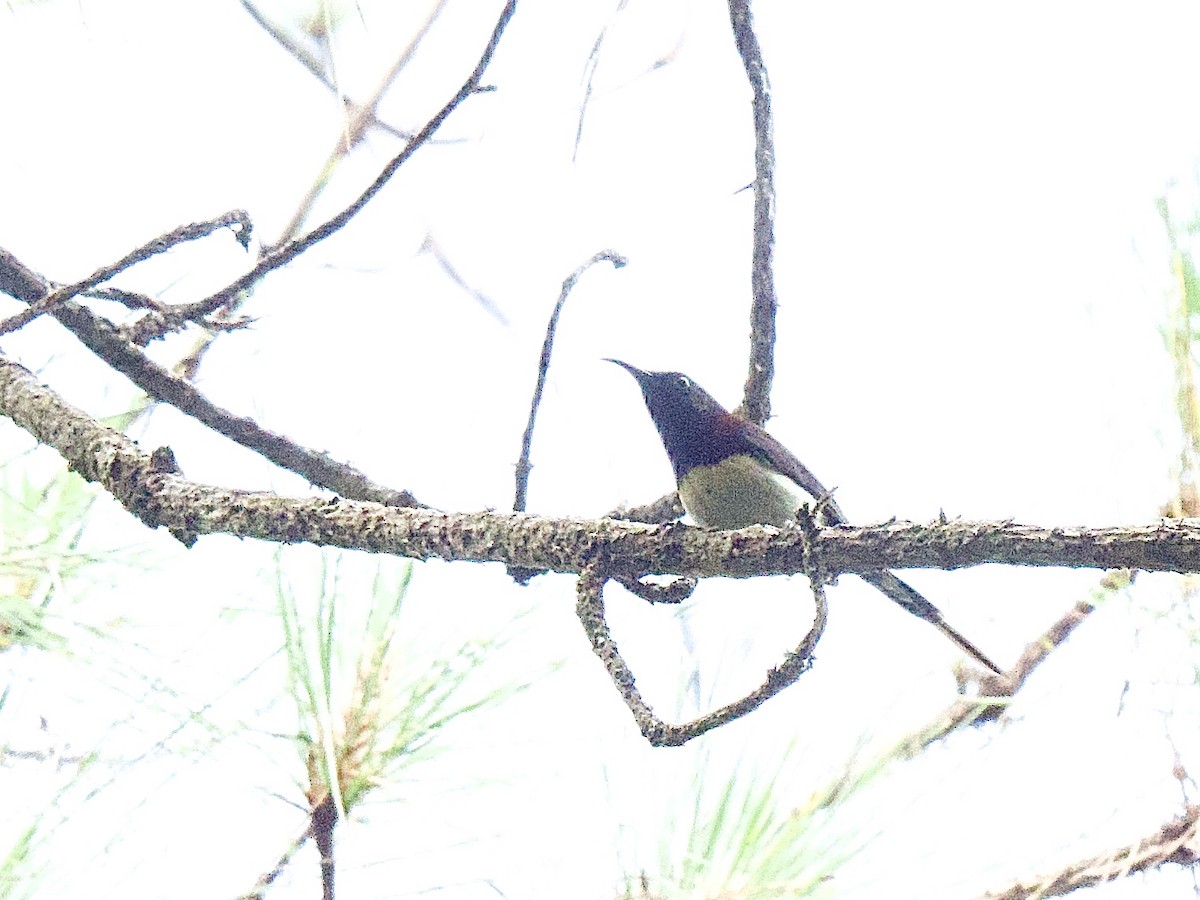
[523, 464]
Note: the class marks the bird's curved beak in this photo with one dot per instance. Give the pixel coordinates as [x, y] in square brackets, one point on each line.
[637, 373]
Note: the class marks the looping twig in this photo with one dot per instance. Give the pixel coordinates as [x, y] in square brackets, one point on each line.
[590, 609]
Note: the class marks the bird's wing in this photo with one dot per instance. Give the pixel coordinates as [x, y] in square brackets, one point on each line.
[782, 459]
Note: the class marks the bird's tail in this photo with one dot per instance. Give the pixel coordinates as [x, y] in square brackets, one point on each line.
[916, 604]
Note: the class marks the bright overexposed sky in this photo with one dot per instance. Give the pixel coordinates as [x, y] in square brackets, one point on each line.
[972, 278]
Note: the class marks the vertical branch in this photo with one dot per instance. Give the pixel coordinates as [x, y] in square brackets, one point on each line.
[756, 404]
[324, 818]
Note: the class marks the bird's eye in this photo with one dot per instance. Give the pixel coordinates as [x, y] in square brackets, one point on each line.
[684, 382]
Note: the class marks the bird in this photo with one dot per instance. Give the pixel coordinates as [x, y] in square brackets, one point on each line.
[733, 474]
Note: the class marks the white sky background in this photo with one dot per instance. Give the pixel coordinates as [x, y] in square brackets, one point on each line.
[971, 276]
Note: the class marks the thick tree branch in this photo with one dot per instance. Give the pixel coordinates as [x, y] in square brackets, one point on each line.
[157, 496]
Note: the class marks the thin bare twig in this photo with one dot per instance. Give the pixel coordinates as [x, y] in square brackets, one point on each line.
[523, 464]
[362, 117]
[1177, 842]
[318, 468]
[259, 891]
[359, 119]
[756, 404]
[301, 54]
[1036, 652]
[434, 249]
[155, 325]
[237, 220]
[996, 692]
[314, 66]
[593, 64]
[589, 75]
[103, 339]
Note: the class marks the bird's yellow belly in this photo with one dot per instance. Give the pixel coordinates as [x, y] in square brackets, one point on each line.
[738, 492]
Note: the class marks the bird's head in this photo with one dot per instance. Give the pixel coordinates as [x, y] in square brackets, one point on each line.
[695, 429]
